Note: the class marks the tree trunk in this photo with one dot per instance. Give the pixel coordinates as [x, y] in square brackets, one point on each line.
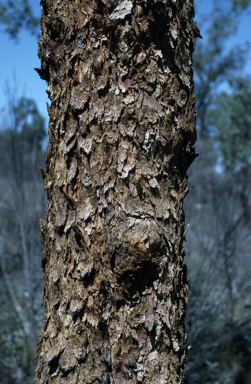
[121, 136]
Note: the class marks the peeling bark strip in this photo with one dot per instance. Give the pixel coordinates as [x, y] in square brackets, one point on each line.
[121, 137]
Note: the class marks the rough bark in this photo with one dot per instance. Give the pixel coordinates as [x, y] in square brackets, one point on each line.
[121, 136]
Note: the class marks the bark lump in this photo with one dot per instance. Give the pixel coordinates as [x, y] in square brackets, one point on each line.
[121, 137]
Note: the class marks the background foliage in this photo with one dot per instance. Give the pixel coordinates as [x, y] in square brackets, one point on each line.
[16, 15]
[218, 240]
[218, 209]
[22, 203]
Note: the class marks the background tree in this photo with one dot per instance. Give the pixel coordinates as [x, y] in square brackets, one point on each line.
[17, 15]
[22, 203]
[230, 115]
[218, 317]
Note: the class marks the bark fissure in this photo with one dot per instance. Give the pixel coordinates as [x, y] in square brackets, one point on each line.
[121, 137]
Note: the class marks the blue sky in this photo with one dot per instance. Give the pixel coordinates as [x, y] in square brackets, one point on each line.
[18, 60]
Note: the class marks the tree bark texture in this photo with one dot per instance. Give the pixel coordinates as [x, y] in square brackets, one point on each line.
[121, 137]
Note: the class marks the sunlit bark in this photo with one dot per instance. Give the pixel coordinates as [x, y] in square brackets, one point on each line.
[121, 136]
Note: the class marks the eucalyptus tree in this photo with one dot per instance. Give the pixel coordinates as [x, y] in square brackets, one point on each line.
[121, 137]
